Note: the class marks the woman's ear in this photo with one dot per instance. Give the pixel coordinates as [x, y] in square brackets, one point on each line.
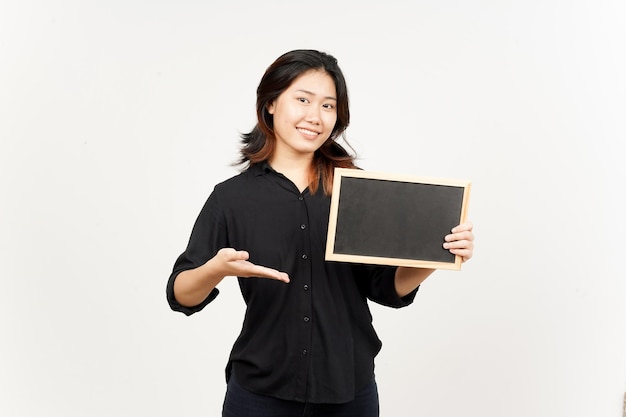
[270, 107]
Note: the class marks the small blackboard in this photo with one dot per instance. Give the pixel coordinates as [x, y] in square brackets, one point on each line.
[389, 219]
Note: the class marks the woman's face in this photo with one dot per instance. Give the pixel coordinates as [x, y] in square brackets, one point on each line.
[304, 115]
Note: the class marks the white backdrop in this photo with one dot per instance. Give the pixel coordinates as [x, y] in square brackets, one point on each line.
[118, 117]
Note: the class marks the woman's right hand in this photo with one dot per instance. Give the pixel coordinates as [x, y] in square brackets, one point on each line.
[233, 262]
[192, 286]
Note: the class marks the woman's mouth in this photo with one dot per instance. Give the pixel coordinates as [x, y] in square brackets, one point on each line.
[307, 132]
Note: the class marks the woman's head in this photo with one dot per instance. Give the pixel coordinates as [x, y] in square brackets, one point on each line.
[279, 76]
[259, 144]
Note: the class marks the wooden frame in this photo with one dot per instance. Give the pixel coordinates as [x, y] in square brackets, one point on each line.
[370, 221]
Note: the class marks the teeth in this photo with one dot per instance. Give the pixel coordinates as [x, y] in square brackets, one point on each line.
[307, 132]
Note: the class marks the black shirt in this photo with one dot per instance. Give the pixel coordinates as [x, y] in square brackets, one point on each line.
[311, 339]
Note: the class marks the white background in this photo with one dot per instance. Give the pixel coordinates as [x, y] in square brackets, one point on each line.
[118, 117]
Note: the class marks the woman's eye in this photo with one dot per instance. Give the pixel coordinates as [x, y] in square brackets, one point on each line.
[302, 100]
[329, 106]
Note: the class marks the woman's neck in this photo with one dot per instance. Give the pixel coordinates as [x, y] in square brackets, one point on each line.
[298, 170]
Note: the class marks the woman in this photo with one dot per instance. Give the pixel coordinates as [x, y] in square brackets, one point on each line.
[307, 345]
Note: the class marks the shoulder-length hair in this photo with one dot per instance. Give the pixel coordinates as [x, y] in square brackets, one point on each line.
[259, 143]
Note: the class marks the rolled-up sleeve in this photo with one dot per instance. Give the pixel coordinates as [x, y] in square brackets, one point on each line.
[382, 287]
[208, 236]
[176, 306]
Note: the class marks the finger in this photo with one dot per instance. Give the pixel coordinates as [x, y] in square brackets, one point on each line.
[242, 255]
[459, 244]
[277, 275]
[467, 226]
[264, 272]
[280, 276]
[231, 254]
[465, 254]
[464, 235]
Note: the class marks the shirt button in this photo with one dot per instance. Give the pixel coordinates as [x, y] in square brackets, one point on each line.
[305, 257]
[304, 352]
[306, 319]
[306, 287]
[300, 198]
[303, 226]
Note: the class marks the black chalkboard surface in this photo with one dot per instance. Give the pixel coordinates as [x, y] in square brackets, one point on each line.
[391, 219]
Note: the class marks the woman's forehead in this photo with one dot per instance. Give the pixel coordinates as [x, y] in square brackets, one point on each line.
[315, 82]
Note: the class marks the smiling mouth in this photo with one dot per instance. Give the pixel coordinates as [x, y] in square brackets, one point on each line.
[307, 132]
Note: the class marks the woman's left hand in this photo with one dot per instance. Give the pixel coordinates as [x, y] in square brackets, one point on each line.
[461, 241]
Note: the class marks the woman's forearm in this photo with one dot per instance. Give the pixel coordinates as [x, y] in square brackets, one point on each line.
[408, 279]
[193, 286]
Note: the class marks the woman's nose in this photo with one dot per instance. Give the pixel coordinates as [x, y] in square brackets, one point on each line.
[313, 115]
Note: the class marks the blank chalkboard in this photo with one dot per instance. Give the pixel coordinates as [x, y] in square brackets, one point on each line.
[393, 219]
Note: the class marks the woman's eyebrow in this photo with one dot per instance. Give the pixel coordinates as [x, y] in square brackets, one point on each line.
[313, 94]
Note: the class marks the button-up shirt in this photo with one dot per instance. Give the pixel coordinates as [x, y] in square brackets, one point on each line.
[311, 339]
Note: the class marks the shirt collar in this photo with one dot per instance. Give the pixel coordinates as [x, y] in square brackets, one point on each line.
[261, 168]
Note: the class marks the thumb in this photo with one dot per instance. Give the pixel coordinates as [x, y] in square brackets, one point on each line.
[241, 255]
[230, 254]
